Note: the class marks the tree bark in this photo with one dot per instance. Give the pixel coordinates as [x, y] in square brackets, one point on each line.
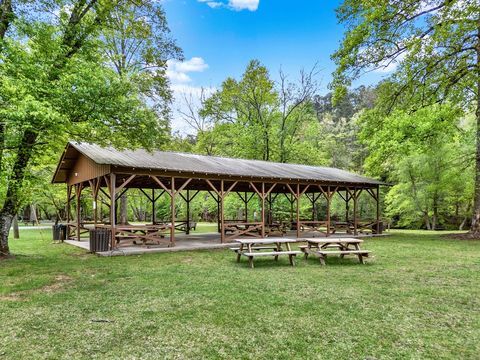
[16, 230]
[475, 228]
[435, 211]
[6, 16]
[11, 203]
[123, 209]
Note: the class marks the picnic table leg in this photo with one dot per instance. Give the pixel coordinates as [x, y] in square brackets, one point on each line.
[239, 253]
[279, 248]
[322, 259]
[343, 248]
[250, 261]
[291, 257]
[307, 249]
[360, 258]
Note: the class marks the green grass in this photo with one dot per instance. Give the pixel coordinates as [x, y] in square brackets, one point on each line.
[419, 298]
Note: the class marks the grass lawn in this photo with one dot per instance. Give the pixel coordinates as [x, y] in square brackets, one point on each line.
[419, 298]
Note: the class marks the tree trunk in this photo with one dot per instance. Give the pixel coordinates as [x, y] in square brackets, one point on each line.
[475, 228]
[123, 209]
[33, 214]
[427, 221]
[435, 211]
[11, 203]
[16, 232]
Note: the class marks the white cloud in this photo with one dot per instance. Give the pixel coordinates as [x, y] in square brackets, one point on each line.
[237, 5]
[177, 77]
[251, 5]
[177, 70]
[214, 4]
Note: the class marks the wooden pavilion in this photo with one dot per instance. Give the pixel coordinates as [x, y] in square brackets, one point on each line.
[182, 176]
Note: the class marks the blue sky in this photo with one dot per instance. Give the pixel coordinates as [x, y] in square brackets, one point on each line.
[220, 37]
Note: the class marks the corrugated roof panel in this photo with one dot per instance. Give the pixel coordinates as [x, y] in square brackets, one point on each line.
[192, 163]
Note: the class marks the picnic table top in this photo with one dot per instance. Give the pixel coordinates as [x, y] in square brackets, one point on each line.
[270, 240]
[136, 226]
[332, 240]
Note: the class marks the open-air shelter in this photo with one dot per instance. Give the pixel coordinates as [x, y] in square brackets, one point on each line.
[181, 176]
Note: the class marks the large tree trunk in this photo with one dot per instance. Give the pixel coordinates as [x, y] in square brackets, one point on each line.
[11, 203]
[123, 209]
[475, 229]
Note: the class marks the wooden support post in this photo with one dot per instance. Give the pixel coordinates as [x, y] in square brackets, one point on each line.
[95, 201]
[270, 209]
[291, 207]
[172, 207]
[95, 187]
[246, 207]
[347, 207]
[378, 209]
[329, 201]
[78, 191]
[263, 209]
[221, 215]
[154, 215]
[188, 213]
[68, 207]
[218, 214]
[355, 206]
[298, 210]
[112, 189]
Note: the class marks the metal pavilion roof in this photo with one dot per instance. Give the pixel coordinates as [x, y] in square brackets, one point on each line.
[212, 165]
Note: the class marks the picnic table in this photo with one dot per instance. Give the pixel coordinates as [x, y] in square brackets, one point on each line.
[333, 246]
[144, 233]
[272, 246]
[276, 228]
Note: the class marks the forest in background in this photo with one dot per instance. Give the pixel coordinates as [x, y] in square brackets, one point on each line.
[426, 156]
[96, 71]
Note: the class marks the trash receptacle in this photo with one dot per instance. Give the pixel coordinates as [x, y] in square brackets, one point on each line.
[99, 240]
[59, 232]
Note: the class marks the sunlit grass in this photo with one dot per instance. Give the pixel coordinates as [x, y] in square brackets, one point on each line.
[418, 298]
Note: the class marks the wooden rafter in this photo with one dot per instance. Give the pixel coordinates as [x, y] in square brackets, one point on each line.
[162, 185]
[125, 183]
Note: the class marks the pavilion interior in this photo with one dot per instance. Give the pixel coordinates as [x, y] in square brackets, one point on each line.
[312, 210]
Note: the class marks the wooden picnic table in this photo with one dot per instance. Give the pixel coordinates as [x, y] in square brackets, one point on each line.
[341, 246]
[276, 227]
[252, 248]
[144, 233]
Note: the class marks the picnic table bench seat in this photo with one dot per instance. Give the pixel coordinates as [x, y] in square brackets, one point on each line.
[237, 249]
[324, 247]
[323, 254]
[290, 253]
[252, 248]
[272, 253]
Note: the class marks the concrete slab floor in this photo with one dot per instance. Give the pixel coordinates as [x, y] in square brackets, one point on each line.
[183, 242]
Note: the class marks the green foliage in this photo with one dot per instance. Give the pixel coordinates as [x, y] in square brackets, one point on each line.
[427, 155]
[257, 118]
[58, 85]
[433, 42]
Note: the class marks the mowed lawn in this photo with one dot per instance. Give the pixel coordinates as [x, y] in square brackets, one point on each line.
[418, 298]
